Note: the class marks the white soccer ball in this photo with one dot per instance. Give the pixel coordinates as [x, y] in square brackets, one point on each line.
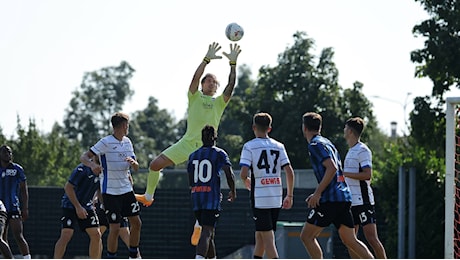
[234, 32]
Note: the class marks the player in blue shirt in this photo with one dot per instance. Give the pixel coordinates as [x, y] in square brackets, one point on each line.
[331, 201]
[78, 208]
[15, 197]
[204, 167]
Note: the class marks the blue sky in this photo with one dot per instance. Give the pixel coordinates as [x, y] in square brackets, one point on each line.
[46, 47]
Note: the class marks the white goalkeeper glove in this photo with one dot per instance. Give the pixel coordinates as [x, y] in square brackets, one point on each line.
[234, 52]
[211, 54]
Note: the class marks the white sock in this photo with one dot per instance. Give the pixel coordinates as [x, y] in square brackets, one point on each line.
[148, 196]
[199, 257]
[27, 256]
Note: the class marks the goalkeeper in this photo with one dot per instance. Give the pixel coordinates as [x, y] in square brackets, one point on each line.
[203, 109]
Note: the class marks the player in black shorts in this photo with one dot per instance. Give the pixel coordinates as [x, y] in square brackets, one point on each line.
[78, 209]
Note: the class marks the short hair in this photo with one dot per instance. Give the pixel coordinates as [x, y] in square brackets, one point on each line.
[209, 75]
[118, 118]
[356, 124]
[208, 135]
[262, 121]
[312, 121]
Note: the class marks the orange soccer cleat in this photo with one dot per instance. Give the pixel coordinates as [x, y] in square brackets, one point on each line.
[141, 198]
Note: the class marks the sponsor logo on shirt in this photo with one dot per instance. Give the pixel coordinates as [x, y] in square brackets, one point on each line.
[201, 189]
[270, 181]
[9, 172]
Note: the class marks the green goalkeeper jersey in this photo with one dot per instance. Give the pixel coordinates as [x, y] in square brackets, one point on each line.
[202, 110]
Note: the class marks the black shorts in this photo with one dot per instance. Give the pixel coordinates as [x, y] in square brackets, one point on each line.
[326, 213]
[118, 206]
[69, 219]
[265, 219]
[103, 220]
[14, 215]
[364, 214]
[207, 217]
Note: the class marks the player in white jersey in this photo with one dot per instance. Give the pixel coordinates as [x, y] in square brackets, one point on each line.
[358, 173]
[262, 160]
[116, 156]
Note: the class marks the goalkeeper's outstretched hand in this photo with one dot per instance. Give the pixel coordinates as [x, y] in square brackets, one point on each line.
[234, 52]
[212, 51]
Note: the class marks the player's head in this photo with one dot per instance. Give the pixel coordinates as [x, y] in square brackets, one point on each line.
[354, 125]
[208, 135]
[6, 153]
[262, 122]
[209, 84]
[312, 121]
[119, 119]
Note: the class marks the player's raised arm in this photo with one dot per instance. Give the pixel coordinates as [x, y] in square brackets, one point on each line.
[210, 55]
[232, 56]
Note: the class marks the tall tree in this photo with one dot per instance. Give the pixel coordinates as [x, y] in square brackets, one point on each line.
[440, 58]
[101, 93]
[299, 83]
[151, 131]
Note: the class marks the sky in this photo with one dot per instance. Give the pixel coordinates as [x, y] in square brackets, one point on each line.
[47, 46]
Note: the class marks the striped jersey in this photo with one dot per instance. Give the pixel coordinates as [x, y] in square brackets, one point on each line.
[320, 149]
[115, 169]
[11, 177]
[202, 110]
[265, 158]
[85, 184]
[359, 157]
[203, 167]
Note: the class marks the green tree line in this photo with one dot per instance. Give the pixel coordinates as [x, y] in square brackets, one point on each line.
[301, 81]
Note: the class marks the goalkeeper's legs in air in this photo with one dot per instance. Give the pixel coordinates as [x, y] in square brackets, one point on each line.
[153, 178]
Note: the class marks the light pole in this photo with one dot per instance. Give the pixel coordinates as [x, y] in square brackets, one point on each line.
[404, 106]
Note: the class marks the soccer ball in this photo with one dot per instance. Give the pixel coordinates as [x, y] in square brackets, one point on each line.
[234, 32]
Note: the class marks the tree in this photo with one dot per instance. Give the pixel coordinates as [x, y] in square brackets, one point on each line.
[299, 83]
[440, 58]
[47, 160]
[101, 94]
[151, 131]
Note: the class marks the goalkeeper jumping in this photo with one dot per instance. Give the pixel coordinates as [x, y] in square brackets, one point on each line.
[203, 109]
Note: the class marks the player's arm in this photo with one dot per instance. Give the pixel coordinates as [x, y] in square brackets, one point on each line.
[232, 56]
[329, 174]
[231, 182]
[210, 55]
[133, 163]
[364, 175]
[24, 191]
[69, 189]
[244, 175]
[88, 159]
[287, 202]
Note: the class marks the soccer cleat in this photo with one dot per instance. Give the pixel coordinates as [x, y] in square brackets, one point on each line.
[196, 235]
[141, 198]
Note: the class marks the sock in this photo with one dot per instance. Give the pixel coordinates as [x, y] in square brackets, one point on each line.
[111, 255]
[199, 257]
[152, 181]
[133, 251]
[27, 256]
[257, 257]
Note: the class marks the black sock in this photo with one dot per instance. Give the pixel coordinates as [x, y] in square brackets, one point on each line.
[111, 255]
[257, 257]
[133, 251]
